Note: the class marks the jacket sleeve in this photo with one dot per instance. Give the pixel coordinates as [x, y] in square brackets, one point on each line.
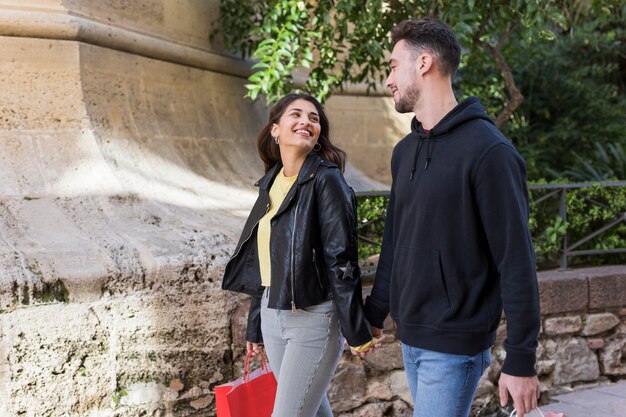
[253, 331]
[377, 303]
[336, 205]
[501, 196]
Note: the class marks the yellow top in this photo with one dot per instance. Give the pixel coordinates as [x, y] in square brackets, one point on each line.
[278, 191]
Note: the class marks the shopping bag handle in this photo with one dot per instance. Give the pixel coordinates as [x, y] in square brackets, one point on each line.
[246, 364]
[514, 412]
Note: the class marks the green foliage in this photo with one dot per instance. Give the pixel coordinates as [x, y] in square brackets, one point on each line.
[574, 90]
[608, 162]
[116, 399]
[344, 41]
[371, 212]
[588, 209]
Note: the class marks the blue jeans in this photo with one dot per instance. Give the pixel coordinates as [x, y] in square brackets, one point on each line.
[442, 384]
[304, 348]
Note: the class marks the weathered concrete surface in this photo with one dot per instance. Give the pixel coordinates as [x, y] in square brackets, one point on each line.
[114, 234]
[127, 158]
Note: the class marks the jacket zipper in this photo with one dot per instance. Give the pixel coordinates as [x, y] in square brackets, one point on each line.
[293, 261]
[267, 208]
[317, 271]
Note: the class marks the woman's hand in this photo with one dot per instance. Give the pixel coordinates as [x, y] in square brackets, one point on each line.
[255, 348]
[363, 350]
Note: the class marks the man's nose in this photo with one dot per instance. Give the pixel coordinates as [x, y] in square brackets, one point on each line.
[388, 81]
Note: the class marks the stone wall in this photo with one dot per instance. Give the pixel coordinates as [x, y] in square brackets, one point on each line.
[128, 161]
[582, 341]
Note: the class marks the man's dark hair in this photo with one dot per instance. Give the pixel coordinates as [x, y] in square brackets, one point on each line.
[433, 36]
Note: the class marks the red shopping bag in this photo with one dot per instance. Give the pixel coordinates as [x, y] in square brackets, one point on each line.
[251, 395]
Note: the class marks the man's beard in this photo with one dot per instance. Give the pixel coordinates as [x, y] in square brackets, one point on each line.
[406, 103]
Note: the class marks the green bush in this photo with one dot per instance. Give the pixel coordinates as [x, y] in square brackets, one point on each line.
[588, 210]
[371, 212]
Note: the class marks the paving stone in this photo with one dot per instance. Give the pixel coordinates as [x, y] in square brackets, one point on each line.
[602, 401]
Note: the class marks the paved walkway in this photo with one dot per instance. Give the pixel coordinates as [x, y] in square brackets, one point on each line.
[602, 401]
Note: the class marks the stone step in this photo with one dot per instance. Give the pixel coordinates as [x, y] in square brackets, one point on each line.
[602, 401]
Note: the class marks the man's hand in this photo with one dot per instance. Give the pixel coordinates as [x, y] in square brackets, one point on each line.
[523, 389]
[376, 332]
[255, 348]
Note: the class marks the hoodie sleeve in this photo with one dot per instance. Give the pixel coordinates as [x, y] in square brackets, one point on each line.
[377, 303]
[337, 219]
[502, 201]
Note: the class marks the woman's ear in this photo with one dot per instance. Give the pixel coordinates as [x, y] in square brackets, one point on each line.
[275, 130]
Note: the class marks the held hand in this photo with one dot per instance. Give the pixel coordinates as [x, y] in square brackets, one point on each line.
[255, 348]
[523, 389]
[377, 333]
[374, 344]
[362, 355]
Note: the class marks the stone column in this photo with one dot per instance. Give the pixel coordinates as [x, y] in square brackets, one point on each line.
[127, 162]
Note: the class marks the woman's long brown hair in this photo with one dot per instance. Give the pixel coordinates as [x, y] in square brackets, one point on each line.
[269, 150]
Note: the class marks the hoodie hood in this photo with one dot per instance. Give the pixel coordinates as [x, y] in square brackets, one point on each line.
[468, 110]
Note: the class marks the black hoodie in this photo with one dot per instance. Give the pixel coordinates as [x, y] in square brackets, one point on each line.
[456, 245]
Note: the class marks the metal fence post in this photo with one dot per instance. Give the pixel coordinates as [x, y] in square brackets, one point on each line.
[563, 214]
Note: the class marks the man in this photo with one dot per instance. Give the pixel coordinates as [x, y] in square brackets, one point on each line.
[456, 245]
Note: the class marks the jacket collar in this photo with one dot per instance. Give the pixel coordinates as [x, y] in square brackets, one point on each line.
[307, 172]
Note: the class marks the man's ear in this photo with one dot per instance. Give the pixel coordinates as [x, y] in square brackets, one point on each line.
[424, 62]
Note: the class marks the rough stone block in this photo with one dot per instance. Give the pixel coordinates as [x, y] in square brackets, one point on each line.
[377, 391]
[401, 409]
[485, 387]
[348, 387]
[595, 344]
[545, 367]
[177, 385]
[550, 347]
[562, 325]
[598, 323]
[493, 371]
[145, 395]
[561, 292]
[369, 410]
[607, 290]
[386, 358]
[575, 362]
[399, 386]
[613, 357]
[201, 403]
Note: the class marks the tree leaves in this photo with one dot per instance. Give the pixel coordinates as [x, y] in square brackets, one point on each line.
[334, 42]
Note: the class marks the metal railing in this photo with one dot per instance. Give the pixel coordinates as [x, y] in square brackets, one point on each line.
[559, 191]
[569, 250]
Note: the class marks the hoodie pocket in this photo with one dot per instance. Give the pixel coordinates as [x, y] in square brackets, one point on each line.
[418, 295]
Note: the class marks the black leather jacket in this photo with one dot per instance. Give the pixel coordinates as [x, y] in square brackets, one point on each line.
[313, 248]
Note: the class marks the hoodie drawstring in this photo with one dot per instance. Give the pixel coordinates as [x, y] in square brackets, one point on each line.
[417, 152]
[427, 153]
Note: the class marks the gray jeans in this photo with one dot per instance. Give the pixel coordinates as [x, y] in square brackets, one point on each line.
[303, 349]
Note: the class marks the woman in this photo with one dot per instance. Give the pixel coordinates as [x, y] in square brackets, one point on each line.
[297, 258]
